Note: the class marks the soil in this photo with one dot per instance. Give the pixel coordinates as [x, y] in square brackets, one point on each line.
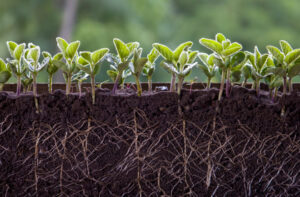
[159, 144]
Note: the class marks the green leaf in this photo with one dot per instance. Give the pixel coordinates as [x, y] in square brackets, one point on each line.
[98, 55]
[205, 70]
[292, 56]
[2, 65]
[294, 70]
[232, 49]
[61, 65]
[84, 68]
[11, 47]
[139, 65]
[122, 50]
[188, 69]
[212, 45]
[19, 51]
[246, 70]
[285, 47]
[236, 75]
[237, 59]
[132, 45]
[263, 60]
[153, 55]
[58, 56]
[276, 53]
[226, 44]
[87, 56]
[192, 56]
[112, 74]
[82, 61]
[122, 66]
[183, 58]
[62, 44]
[210, 60]
[184, 46]
[203, 57]
[46, 54]
[168, 66]
[164, 51]
[220, 37]
[72, 49]
[34, 54]
[4, 76]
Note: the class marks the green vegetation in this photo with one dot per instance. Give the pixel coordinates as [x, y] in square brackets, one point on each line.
[276, 69]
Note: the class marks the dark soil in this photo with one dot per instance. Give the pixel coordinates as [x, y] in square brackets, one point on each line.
[159, 144]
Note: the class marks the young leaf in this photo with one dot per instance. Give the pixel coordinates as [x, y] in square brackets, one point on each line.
[212, 45]
[87, 56]
[263, 59]
[192, 56]
[122, 49]
[72, 49]
[11, 47]
[285, 47]
[164, 51]
[220, 37]
[187, 69]
[58, 56]
[232, 49]
[19, 51]
[276, 53]
[294, 70]
[168, 67]
[62, 44]
[98, 55]
[184, 46]
[237, 59]
[292, 56]
[132, 45]
[153, 55]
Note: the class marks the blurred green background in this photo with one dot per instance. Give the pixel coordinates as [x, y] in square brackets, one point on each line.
[96, 22]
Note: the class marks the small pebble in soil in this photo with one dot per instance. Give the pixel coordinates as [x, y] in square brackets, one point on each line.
[161, 88]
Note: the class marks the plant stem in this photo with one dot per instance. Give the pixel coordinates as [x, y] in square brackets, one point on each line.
[50, 83]
[271, 93]
[116, 83]
[1, 86]
[79, 88]
[257, 86]
[150, 83]
[244, 83]
[228, 85]
[18, 84]
[208, 83]
[93, 88]
[222, 84]
[284, 84]
[290, 85]
[138, 85]
[180, 82]
[68, 85]
[173, 81]
[34, 76]
[253, 85]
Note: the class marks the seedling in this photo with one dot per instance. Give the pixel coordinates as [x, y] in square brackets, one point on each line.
[79, 77]
[150, 67]
[16, 65]
[31, 59]
[208, 67]
[89, 62]
[5, 73]
[184, 66]
[136, 68]
[287, 63]
[51, 67]
[113, 73]
[121, 61]
[172, 58]
[69, 52]
[274, 83]
[227, 57]
[259, 67]
[192, 81]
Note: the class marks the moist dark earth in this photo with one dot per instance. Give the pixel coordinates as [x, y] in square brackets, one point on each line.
[159, 144]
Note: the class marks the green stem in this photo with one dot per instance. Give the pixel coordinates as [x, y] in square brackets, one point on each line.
[150, 83]
[290, 85]
[180, 82]
[1, 86]
[208, 83]
[68, 85]
[50, 83]
[257, 86]
[222, 84]
[18, 84]
[79, 88]
[271, 93]
[228, 83]
[138, 86]
[173, 82]
[253, 85]
[284, 85]
[93, 88]
[34, 77]
[116, 83]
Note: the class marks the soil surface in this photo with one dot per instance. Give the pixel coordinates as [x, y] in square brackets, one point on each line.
[159, 144]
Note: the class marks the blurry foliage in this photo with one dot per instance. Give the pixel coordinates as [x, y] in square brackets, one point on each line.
[170, 22]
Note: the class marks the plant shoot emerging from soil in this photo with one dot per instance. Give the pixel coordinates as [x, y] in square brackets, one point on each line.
[150, 67]
[5, 73]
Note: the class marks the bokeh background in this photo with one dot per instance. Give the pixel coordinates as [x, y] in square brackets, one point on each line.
[96, 22]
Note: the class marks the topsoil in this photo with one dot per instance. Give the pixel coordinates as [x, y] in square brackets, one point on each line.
[159, 144]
